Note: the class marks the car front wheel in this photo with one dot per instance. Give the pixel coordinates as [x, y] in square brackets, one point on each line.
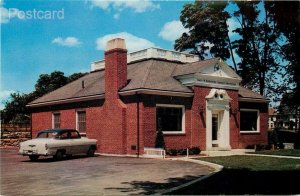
[91, 152]
[33, 157]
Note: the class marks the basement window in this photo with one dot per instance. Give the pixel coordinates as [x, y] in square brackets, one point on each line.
[249, 120]
[170, 118]
[81, 121]
[56, 120]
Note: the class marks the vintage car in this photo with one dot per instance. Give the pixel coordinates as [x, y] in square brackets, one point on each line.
[57, 143]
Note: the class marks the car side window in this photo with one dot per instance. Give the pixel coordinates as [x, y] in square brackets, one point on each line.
[63, 135]
[75, 135]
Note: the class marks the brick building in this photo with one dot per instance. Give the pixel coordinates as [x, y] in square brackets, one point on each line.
[126, 98]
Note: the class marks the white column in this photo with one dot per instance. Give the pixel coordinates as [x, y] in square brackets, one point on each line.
[224, 141]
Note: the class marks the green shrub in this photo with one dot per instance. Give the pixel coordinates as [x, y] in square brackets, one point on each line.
[172, 152]
[160, 142]
[194, 150]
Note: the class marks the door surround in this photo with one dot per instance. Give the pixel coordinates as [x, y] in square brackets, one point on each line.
[217, 102]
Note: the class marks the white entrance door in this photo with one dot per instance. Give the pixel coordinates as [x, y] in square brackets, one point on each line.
[215, 129]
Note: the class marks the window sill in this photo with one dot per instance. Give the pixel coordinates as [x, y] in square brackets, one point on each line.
[82, 134]
[249, 132]
[174, 133]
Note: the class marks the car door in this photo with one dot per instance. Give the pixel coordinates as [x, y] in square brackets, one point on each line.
[63, 142]
[76, 142]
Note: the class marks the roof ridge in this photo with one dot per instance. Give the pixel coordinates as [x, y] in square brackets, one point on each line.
[147, 74]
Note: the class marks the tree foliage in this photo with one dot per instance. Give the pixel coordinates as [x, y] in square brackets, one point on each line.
[208, 29]
[15, 110]
[266, 41]
[259, 48]
[287, 18]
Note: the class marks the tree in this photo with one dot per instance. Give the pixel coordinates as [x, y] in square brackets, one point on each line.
[49, 82]
[258, 42]
[15, 110]
[287, 18]
[208, 32]
[258, 47]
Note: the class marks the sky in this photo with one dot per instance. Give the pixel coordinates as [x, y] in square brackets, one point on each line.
[39, 37]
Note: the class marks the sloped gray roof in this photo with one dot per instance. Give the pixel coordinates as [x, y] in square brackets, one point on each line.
[154, 74]
[247, 93]
[195, 67]
[93, 82]
[151, 74]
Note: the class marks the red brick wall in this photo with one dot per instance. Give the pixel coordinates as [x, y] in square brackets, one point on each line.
[41, 121]
[173, 141]
[68, 119]
[199, 119]
[246, 139]
[234, 119]
[112, 116]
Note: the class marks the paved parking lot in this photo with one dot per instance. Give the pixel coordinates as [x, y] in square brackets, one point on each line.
[98, 175]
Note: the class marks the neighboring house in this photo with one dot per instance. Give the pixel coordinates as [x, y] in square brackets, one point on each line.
[272, 118]
[195, 103]
[288, 120]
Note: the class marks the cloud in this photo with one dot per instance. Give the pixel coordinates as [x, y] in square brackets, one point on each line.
[133, 43]
[138, 6]
[172, 30]
[4, 95]
[7, 14]
[232, 25]
[69, 41]
[117, 16]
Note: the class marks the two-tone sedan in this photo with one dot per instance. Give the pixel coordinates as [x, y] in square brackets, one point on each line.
[57, 143]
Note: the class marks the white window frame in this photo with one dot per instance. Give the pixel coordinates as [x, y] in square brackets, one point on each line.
[182, 119]
[53, 114]
[77, 127]
[257, 123]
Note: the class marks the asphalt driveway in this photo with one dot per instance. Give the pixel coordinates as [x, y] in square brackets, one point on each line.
[98, 175]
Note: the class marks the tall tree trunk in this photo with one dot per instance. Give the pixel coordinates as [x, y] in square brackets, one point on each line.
[231, 52]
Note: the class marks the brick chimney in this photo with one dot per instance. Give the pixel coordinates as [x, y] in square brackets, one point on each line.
[115, 67]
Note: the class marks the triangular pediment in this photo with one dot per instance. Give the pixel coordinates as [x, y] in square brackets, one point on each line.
[220, 69]
[216, 74]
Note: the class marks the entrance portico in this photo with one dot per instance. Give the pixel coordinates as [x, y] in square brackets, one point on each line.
[217, 120]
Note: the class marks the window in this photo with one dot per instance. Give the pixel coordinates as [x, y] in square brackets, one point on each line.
[81, 121]
[74, 135]
[170, 118]
[249, 120]
[56, 120]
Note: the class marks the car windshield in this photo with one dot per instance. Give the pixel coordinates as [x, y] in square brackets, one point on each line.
[46, 135]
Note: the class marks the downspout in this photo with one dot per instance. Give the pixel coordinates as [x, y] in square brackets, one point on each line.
[138, 123]
[31, 125]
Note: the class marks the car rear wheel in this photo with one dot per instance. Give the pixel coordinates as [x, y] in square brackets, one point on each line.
[91, 152]
[33, 157]
[59, 155]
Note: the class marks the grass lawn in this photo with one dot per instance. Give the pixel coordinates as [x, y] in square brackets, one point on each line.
[249, 175]
[283, 152]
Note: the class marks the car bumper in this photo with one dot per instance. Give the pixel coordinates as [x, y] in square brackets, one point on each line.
[33, 152]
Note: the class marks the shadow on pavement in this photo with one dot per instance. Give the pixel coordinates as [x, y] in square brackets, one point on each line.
[244, 181]
[148, 187]
[50, 159]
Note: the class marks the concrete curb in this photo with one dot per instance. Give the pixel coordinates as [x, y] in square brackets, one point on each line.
[217, 168]
[274, 156]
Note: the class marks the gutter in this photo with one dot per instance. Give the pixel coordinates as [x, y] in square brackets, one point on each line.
[157, 92]
[69, 100]
[246, 99]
